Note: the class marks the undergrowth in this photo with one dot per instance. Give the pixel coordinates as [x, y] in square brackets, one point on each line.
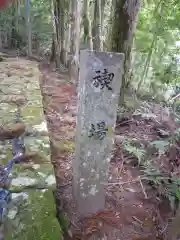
[165, 183]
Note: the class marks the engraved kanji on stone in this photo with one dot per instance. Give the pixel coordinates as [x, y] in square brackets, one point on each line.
[103, 79]
[99, 131]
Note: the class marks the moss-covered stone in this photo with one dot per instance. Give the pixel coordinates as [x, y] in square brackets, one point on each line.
[33, 218]
[32, 213]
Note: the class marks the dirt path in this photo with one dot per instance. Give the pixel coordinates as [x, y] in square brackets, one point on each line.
[133, 209]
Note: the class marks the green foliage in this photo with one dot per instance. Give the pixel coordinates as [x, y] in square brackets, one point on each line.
[161, 146]
[166, 185]
[155, 46]
[15, 18]
[152, 173]
[37, 215]
[177, 133]
[176, 107]
[172, 191]
[131, 148]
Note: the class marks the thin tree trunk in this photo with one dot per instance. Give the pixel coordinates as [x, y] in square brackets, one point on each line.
[29, 30]
[108, 41]
[151, 49]
[62, 33]
[6, 40]
[124, 24]
[59, 13]
[53, 50]
[55, 44]
[103, 3]
[147, 64]
[75, 37]
[87, 26]
[68, 35]
[13, 27]
[15, 37]
[1, 42]
[97, 27]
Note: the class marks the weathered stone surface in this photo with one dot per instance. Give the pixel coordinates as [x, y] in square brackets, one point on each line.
[97, 107]
[32, 216]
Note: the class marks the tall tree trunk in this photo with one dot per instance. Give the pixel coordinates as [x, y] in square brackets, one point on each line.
[68, 35]
[108, 39]
[97, 27]
[103, 3]
[75, 37]
[57, 13]
[13, 28]
[157, 10]
[62, 11]
[6, 39]
[16, 39]
[13, 34]
[29, 30]
[147, 63]
[124, 25]
[87, 25]
[1, 42]
[55, 49]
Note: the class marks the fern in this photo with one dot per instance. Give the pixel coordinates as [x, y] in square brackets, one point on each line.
[153, 174]
[170, 189]
[176, 135]
[162, 146]
[137, 152]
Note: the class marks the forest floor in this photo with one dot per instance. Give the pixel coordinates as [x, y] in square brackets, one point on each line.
[134, 208]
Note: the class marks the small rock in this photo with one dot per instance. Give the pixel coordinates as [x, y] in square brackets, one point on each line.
[23, 181]
[17, 195]
[162, 133]
[12, 213]
[41, 127]
[42, 174]
[12, 131]
[74, 113]
[68, 120]
[50, 180]
[118, 138]
[29, 74]
[9, 74]
[17, 100]
[36, 166]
